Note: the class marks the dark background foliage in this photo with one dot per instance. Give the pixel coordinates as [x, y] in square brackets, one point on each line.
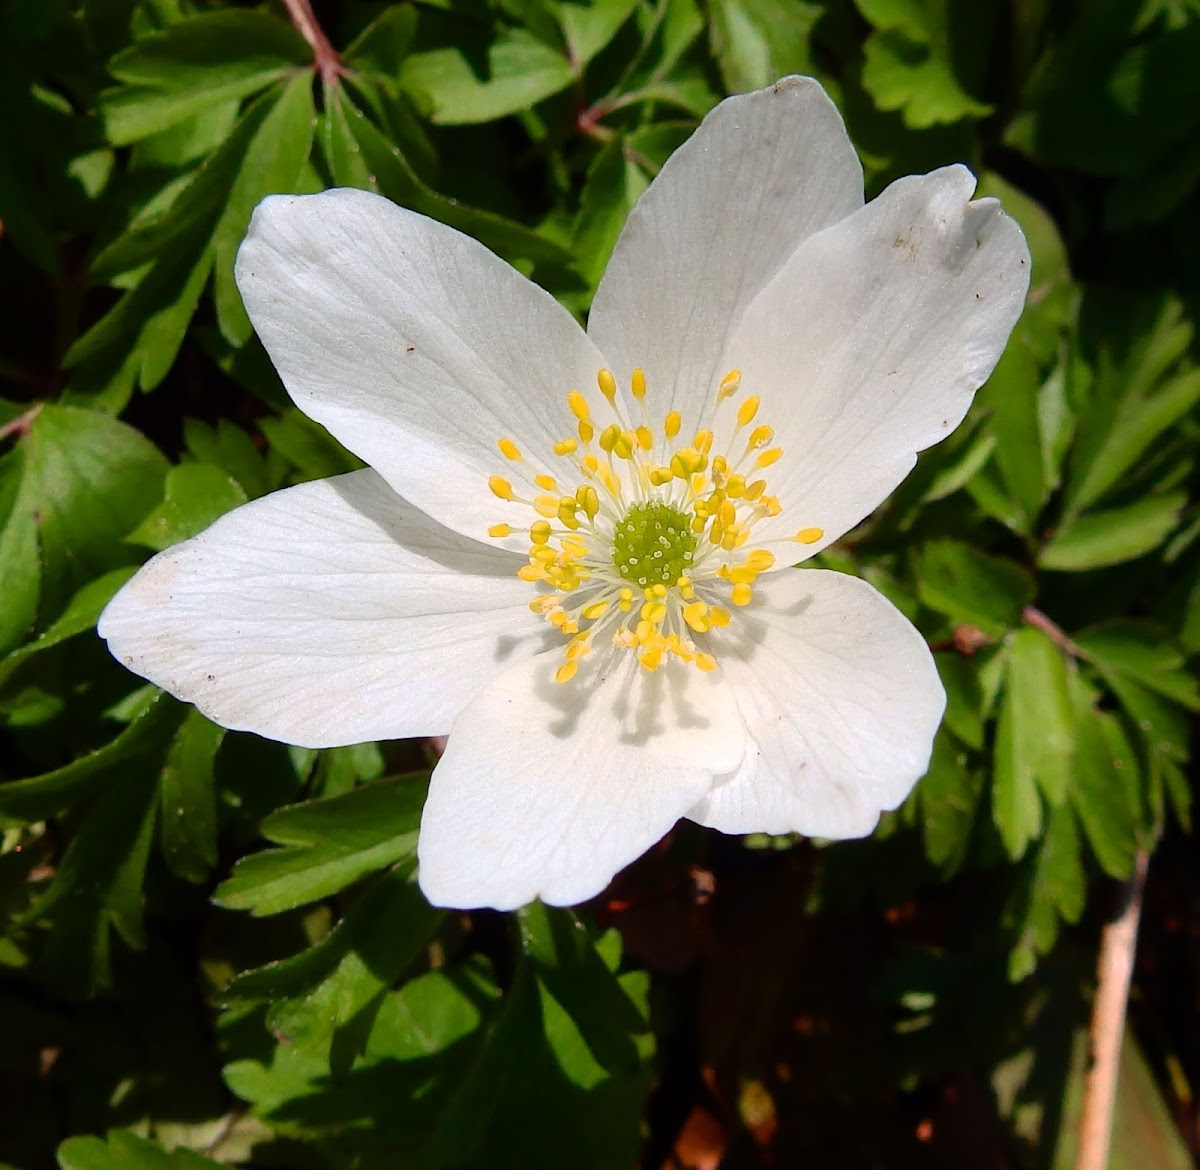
[211, 946]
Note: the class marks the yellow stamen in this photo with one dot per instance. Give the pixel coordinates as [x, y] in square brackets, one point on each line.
[579, 406]
[500, 487]
[508, 449]
[566, 447]
[809, 535]
[741, 594]
[730, 384]
[637, 384]
[769, 457]
[566, 672]
[674, 421]
[607, 384]
[546, 483]
[500, 530]
[747, 411]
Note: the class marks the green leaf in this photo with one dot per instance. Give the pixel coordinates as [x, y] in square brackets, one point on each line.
[1034, 744]
[589, 27]
[1112, 537]
[1104, 790]
[367, 159]
[275, 160]
[972, 588]
[97, 887]
[307, 445]
[950, 795]
[82, 481]
[1141, 651]
[193, 64]
[326, 999]
[516, 71]
[41, 797]
[126, 1151]
[228, 447]
[915, 60]
[1134, 427]
[1011, 395]
[612, 187]
[964, 696]
[195, 495]
[188, 819]
[81, 614]
[756, 42]
[328, 845]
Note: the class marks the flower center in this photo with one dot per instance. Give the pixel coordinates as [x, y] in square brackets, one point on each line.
[649, 549]
[653, 544]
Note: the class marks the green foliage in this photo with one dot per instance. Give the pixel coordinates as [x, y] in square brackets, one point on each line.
[213, 950]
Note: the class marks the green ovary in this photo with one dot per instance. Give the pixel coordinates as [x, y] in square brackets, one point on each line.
[653, 545]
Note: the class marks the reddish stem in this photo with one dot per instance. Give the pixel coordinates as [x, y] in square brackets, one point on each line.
[325, 58]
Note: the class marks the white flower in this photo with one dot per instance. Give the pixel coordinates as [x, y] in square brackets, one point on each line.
[573, 551]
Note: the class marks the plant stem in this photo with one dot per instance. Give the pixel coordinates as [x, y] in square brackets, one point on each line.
[1114, 971]
[325, 58]
[1034, 617]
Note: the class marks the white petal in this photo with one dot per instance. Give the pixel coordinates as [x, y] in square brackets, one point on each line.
[841, 701]
[869, 344]
[327, 614]
[763, 172]
[547, 790]
[412, 343]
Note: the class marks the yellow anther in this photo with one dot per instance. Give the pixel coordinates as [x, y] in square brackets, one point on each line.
[768, 457]
[672, 424]
[659, 590]
[623, 447]
[566, 513]
[698, 483]
[696, 616]
[742, 575]
[579, 406]
[500, 530]
[697, 525]
[578, 647]
[809, 535]
[655, 612]
[720, 617]
[644, 631]
[720, 468]
[660, 475]
[760, 437]
[637, 383]
[730, 384]
[508, 449]
[760, 560]
[741, 594]
[747, 411]
[543, 603]
[686, 463]
[608, 437]
[686, 590]
[755, 489]
[566, 447]
[574, 547]
[590, 463]
[610, 481]
[706, 662]
[543, 554]
[546, 482]
[539, 531]
[500, 487]
[546, 505]
[566, 672]
[595, 611]
[531, 572]
[607, 384]
[771, 505]
[645, 438]
[703, 441]
[588, 499]
[735, 487]
[586, 431]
